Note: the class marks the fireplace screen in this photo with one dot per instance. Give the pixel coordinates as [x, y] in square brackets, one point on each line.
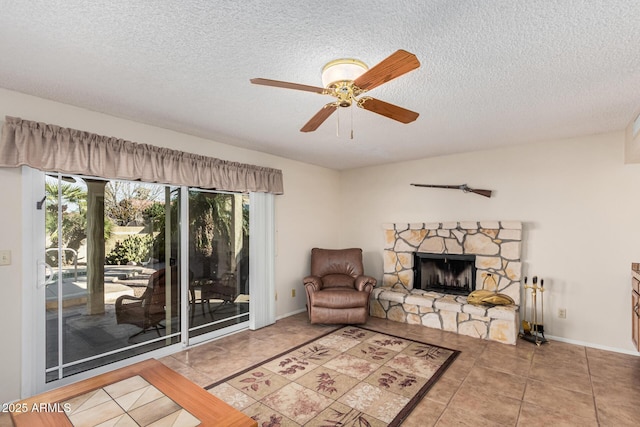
[449, 274]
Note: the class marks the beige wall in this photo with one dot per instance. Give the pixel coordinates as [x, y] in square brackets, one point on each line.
[301, 222]
[577, 199]
[632, 143]
[10, 284]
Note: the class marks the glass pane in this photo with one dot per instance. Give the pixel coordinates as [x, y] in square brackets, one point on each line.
[111, 259]
[218, 260]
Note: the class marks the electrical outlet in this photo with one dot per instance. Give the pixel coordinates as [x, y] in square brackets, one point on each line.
[293, 293]
[562, 313]
[5, 257]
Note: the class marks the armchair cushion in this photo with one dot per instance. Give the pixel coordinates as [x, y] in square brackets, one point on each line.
[339, 298]
[336, 261]
[338, 281]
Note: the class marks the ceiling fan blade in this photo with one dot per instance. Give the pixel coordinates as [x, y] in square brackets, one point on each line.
[397, 64]
[388, 110]
[288, 85]
[320, 117]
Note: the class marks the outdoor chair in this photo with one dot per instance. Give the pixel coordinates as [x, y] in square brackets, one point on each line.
[149, 310]
[222, 290]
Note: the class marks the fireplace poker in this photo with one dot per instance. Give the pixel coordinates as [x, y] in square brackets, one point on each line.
[526, 327]
[534, 305]
[541, 326]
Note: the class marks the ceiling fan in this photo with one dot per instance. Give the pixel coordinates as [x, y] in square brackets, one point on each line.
[348, 79]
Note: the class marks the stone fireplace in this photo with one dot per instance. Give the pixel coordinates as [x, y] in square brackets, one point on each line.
[494, 247]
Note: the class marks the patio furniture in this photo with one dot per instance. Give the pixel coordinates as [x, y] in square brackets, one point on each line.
[202, 291]
[148, 310]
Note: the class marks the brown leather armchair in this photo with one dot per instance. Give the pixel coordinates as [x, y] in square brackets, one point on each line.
[337, 289]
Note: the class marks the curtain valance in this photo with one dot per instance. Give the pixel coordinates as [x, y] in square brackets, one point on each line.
[53, 148]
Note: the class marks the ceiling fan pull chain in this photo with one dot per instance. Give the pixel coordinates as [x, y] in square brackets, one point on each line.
[338, 124]
[351, 108]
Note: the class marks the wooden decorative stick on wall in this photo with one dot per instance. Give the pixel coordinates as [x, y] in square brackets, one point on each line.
[463, 187]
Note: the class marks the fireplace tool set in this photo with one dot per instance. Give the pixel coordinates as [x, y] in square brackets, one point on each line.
[532, 327]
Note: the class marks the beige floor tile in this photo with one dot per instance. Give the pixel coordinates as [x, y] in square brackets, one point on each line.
[443, 390]
[219, 369]
[616, 414]
[425, 414]
[627, 374]
[556, 399]
[613, 358]
[522, 349]
[563, 376]
[509, 362]
[562, 349]
[461, 367]
[536, 416]
[578, 365]
[612, 390]
[190, 372]
[496, 382]
[456, 417]
[484, 404]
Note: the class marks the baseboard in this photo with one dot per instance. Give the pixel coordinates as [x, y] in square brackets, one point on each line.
[598, 346]
[282, 316]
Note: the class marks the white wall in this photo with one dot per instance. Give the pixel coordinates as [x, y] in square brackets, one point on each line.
[579, 202]
[301, 222]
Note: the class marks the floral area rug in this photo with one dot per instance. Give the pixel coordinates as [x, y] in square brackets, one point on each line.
[350, 377]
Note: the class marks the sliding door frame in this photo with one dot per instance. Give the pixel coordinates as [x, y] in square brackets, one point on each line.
[33, 348]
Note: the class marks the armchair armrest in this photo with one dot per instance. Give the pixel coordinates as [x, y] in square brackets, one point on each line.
[129, 309]
[365, 283]
[120, 302]
[312, 283]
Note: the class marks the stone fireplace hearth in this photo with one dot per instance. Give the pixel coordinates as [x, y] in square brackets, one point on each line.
[496, 246]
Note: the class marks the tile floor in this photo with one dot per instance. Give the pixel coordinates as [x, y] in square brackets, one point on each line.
[489, 384]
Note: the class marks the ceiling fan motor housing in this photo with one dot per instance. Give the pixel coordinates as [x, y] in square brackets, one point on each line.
[344, 91]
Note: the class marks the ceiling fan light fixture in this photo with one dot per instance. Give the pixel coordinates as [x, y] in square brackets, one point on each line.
[341, 70]
[339, 78]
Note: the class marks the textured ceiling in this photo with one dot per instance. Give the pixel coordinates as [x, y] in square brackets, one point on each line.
[493, 73]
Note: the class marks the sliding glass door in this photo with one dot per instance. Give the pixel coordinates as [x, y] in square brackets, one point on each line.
[135, 267]
[112, 282]
[218, 261]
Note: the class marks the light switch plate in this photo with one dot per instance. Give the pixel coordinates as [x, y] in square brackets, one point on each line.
[5, 257]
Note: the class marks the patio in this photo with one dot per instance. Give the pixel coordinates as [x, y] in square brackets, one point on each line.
[86, 335]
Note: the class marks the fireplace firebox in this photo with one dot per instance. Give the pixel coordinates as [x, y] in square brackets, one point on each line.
[448, 274]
